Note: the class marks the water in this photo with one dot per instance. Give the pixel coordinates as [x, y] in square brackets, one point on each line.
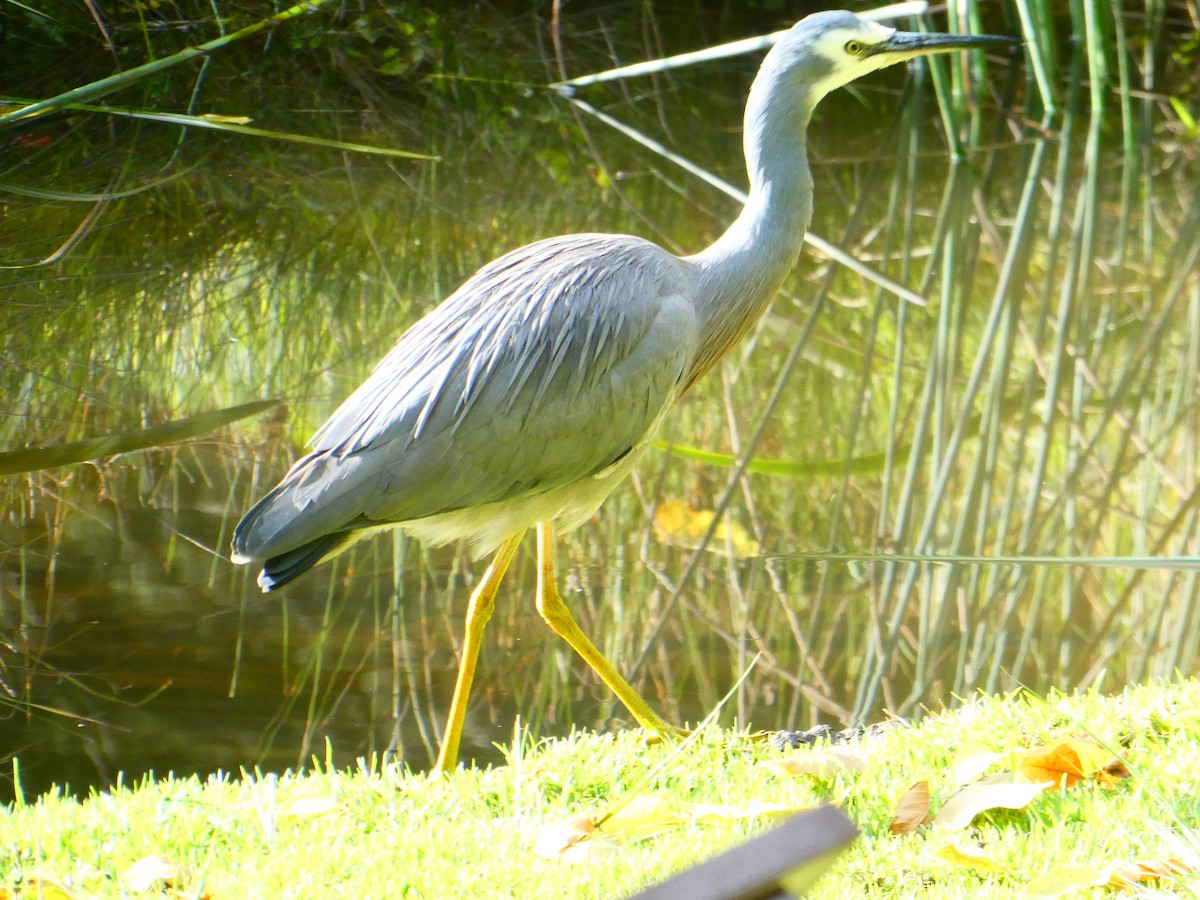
[1044, 406]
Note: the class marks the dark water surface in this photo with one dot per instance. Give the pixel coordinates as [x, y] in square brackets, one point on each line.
[1044, 405]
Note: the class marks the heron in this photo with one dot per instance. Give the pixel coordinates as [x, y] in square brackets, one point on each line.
[528, 394]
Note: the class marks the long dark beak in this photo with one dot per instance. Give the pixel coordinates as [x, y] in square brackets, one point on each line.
[908, 44]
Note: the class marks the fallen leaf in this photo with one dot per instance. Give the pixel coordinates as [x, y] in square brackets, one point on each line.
[1064, 880]
[1005, 790]
[1073, 877]
[1112, 773]
[1131, 874]
[822, 764]
[556, 838]
[971, 761]
[970, 857]
[155, 872]
[913, 809]
[642, 816]
[1064, 761]
[679, 524]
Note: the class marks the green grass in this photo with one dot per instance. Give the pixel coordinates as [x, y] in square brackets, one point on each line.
[1045, 405]
[375, 831]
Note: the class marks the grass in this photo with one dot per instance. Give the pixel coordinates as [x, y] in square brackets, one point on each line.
[379, 830]
[1043, 405]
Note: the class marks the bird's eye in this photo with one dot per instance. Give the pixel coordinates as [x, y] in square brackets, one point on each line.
[854, 47]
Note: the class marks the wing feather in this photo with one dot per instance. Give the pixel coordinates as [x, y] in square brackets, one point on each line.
[548, 365]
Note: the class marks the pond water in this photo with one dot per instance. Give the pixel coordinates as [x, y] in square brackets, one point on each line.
[993, 491]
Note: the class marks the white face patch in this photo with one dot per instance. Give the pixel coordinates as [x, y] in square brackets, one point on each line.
[837, 45]
[844, 47]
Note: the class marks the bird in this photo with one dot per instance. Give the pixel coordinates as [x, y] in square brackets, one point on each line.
[529, 394]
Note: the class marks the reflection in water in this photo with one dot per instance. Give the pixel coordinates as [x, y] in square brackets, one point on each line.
[1044, 406]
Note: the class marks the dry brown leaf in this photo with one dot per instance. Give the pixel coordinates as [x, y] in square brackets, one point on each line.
[1064, 761]
[912, 811]
[1112, 773]
[1005, 790]
[822, 764]
[1147, 871]
[969, 857]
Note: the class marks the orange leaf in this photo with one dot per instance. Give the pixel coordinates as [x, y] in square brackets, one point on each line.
[913, 809]
[1065, 760]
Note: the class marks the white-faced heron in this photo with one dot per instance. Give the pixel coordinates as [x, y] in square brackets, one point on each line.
[532, 390]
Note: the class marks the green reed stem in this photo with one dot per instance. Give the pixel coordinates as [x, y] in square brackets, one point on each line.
[123, 79]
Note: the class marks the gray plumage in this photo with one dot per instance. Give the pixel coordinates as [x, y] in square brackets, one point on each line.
[486, 402]
[529, 393]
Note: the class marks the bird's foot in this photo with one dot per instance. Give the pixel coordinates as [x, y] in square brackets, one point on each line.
[660, 733]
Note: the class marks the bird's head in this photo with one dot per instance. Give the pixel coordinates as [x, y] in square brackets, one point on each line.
[829, 49]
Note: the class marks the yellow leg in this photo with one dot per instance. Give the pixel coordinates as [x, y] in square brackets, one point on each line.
[558, 617]
[479, 610]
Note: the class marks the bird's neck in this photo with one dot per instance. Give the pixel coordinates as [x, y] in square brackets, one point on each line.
[739, 274]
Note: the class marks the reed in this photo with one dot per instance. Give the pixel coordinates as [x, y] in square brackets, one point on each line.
[997, 488]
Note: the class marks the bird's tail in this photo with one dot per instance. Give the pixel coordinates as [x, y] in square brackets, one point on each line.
[279, 570]
[254, 534]
[264, 528]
